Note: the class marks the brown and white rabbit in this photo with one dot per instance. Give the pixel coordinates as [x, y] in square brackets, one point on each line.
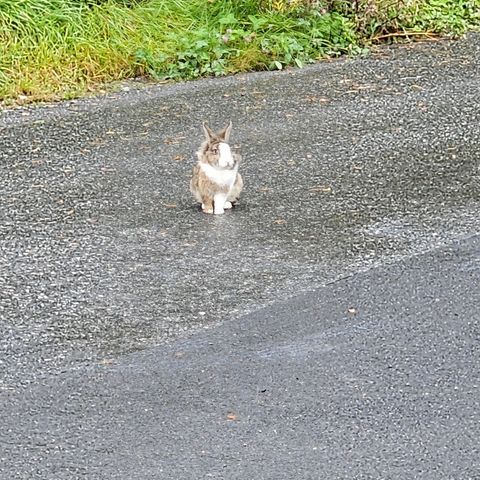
[216, 183]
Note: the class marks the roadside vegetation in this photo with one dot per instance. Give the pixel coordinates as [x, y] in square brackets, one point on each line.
[58, 49]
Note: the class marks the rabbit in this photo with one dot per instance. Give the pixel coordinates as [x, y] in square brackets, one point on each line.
[215, 182]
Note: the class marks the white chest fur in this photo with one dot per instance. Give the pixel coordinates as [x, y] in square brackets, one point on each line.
[222, 177]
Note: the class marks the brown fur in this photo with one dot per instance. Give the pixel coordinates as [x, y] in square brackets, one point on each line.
[201, 186]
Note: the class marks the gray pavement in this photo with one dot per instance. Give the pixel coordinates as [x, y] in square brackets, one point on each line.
[371, 377]
[325, 328]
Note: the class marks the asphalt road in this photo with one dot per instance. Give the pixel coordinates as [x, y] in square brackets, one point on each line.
[371, 377]
[328, 327]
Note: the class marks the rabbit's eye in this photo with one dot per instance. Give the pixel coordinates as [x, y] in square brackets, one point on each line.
[215, 150]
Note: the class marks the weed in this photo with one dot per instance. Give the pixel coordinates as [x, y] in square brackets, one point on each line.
[61, 48]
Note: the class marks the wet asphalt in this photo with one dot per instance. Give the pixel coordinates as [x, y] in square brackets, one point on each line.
[327, 327]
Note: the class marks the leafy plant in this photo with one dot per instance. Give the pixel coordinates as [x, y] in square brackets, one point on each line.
[61, 48]
[448, 16]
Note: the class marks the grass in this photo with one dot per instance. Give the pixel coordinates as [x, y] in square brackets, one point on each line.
[59, 49]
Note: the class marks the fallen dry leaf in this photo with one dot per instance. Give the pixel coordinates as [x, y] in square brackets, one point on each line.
[253, 107]
[280, 221]
[173, 140]
[321, 188]
[314, 98]
[231, 416]
[170, 205]
[352, 311]
[179, 158]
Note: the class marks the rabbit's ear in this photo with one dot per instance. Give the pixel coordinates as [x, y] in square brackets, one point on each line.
[225, 133]
[208, 132]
